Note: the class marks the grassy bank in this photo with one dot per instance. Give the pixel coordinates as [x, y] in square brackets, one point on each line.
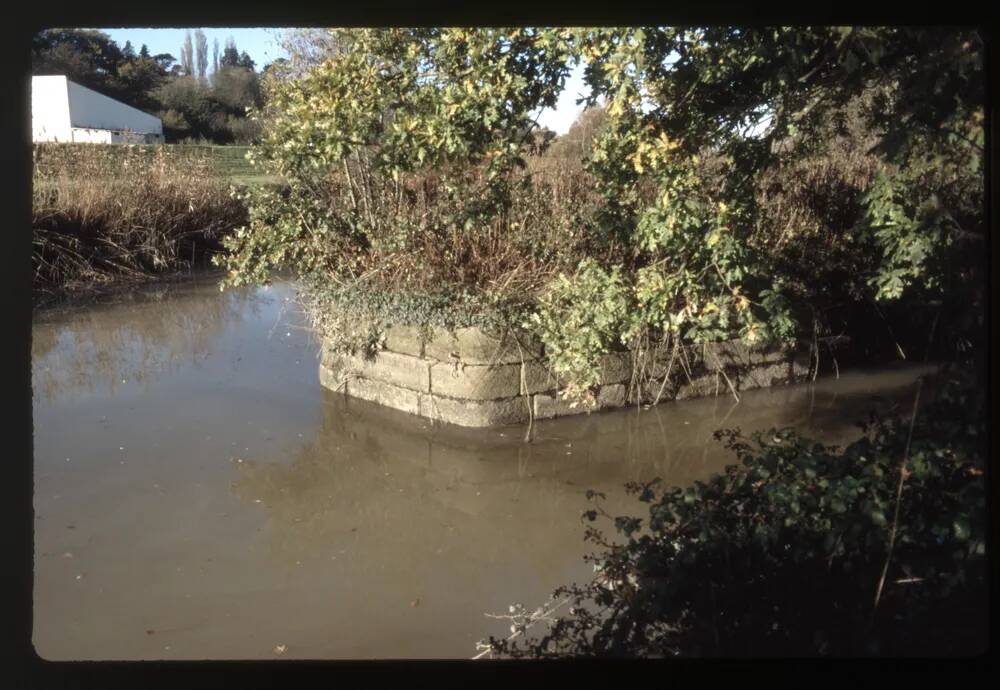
[112, 214]
[228, 163]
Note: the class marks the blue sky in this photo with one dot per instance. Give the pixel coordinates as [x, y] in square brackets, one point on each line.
[261, 44]
[566, 110]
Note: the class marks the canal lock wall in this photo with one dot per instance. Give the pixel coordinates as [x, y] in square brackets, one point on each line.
[474, 379]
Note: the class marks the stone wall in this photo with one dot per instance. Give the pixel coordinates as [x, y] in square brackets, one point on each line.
[469, 378]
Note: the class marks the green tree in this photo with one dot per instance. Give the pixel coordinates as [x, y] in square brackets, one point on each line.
[246, 62]
[201, 53]
[237, 89]
[695, 121]
[187, 55]
[230, 55]
[92, 59]
[577, 142]
[166, 61]
[394, 103]
[88, 57]
[697, 117]
[137, 81]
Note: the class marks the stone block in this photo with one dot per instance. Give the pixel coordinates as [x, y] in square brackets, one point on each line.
[475, 413]
[801, 368]
[473, 346]
[407, 340]
[738, 353]
[649, 364]
[333, 377]
[471, 379]
[646, 391]
[702, 386]
[391, 367]
[539, 377]
[765, 375]
[475, 382]
[548, 405]
[385, 394]
[616, 367]
[611, 395]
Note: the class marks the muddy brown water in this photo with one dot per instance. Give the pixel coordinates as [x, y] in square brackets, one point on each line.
[198, 495]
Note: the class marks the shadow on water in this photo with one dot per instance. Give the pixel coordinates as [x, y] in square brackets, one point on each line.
[136, 336]
[360, 444]
[483, 510]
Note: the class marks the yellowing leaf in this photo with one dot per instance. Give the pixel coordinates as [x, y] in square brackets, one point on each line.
[636, 159]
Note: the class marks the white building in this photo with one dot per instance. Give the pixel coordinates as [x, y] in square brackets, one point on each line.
[64, 111]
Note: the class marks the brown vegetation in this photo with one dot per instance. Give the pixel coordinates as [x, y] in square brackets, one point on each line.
[110, 214]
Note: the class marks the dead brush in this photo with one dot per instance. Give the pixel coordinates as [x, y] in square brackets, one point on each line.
[103, 214]
[542, 230]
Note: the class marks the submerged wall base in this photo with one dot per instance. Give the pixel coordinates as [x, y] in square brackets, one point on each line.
[472, 379]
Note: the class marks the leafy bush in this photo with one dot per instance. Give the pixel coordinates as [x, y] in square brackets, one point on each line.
[739, 182]
[579, 320]
[799, 550]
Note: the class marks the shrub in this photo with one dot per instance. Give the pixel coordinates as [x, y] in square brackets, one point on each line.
[716, 163]
[798, 550]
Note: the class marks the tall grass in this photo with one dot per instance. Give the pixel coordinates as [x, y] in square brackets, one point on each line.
[104, 214]
[419, 233]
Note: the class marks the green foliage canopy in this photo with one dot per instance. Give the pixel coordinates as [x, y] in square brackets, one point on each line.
[694, 118]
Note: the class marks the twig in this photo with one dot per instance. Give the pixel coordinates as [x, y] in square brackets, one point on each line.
[903, 474]
[833, 356]
[720, 370]
[524, 387]
[535, 617]
[670, 365]
[815, 350]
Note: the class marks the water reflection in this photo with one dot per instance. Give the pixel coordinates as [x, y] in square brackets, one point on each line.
[136, 338]
[405, 485]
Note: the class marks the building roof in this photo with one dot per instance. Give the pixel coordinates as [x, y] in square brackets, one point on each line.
[89, 109]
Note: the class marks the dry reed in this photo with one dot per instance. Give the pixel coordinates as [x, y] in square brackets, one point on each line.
[104, 214]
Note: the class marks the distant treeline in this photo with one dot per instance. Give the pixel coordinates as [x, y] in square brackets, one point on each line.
[195, 103]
